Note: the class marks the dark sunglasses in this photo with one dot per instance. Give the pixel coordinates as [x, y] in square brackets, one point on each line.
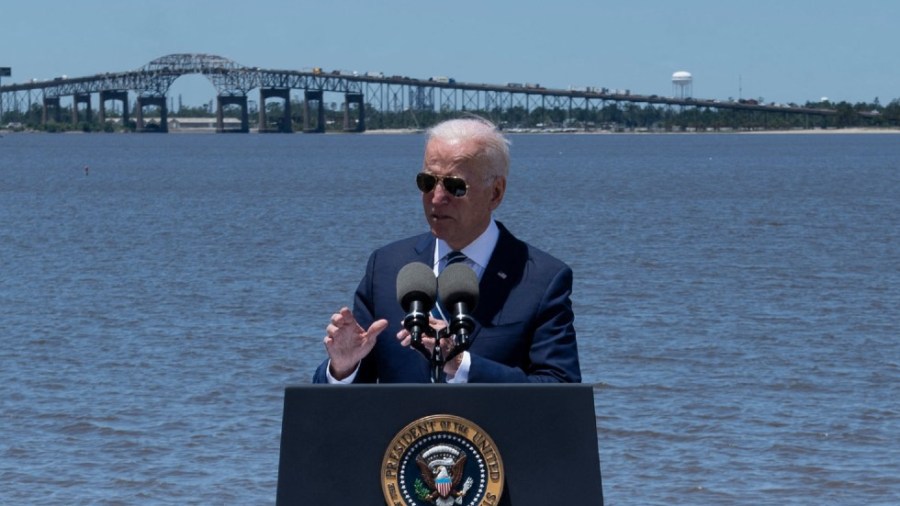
[455, 186]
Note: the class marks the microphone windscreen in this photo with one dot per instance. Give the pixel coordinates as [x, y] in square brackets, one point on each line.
[458, 283]
[416, 281]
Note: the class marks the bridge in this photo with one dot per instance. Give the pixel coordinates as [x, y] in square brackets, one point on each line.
[234, 82]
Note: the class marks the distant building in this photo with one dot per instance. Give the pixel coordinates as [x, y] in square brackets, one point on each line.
[201, 124]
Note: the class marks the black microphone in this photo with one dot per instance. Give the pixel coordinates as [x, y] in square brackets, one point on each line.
[416, 289]
[458, 287]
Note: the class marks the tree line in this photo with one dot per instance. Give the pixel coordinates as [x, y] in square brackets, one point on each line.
[613, 116]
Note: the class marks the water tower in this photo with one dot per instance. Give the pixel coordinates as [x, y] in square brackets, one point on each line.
[682, 84]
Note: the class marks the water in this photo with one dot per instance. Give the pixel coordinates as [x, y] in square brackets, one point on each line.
[736, 300]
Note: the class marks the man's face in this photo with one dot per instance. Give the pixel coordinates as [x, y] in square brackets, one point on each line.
[459, 220]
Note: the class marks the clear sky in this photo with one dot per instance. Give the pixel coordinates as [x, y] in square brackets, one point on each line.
[779, 50]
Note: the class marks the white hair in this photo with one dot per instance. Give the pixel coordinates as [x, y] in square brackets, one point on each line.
[493, 146]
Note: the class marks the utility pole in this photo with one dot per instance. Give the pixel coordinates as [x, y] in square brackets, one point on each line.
[4, 72]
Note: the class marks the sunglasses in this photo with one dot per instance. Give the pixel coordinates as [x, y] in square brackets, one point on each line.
[455, 186]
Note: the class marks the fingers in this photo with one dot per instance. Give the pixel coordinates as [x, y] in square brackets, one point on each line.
[404, 337]
[347, 343]
[437, 324]
[340, 320]
[376, 328]
[343, 318]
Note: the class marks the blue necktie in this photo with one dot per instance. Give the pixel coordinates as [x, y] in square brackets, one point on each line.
[454, 257]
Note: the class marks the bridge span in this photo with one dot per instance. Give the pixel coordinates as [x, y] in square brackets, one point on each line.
[234, 82]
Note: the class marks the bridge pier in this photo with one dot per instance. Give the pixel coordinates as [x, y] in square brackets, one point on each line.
[77, 99]
[317, 97]
[285, 125]
[51, 103]
[163, 113]
[122, 96]
[221, 102]
[354, 98]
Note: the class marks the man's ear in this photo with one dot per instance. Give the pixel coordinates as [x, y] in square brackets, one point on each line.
[498, 190]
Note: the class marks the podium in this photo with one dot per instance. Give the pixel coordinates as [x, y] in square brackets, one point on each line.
[339, 442]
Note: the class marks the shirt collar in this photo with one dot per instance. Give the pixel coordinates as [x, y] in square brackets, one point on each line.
[478, 251]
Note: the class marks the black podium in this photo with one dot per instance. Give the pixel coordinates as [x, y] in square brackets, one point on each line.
[335, 440]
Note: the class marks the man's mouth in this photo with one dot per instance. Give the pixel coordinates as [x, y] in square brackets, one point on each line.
[439, 217]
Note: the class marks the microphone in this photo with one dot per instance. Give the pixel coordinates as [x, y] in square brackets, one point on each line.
[459, 294]
[416, 289]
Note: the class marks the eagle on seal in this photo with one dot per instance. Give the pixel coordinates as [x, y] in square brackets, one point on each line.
[443, 477]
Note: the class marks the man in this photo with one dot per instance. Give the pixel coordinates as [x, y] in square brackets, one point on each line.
[524, 322]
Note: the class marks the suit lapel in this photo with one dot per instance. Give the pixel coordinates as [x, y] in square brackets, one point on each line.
[425, 249]
[503, 273]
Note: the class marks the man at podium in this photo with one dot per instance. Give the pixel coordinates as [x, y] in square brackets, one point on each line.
[523, 320]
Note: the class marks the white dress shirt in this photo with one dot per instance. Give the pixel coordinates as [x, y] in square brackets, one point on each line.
[478, 254]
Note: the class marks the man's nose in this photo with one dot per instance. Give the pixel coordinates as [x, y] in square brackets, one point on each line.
[439, 194]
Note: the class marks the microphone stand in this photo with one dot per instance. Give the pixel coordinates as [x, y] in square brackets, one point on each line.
[437, 362]
[435, 357]
[459, 328]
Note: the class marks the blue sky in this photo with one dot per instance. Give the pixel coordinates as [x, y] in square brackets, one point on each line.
[779, 50]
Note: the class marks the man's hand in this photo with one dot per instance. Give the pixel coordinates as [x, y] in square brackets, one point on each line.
[347, 343]
[437, 325]
[446, 344]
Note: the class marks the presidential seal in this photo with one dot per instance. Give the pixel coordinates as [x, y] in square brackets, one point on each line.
[442, 460]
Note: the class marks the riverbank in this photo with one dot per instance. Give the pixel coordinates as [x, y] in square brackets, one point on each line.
[855, 130]
[408, 131]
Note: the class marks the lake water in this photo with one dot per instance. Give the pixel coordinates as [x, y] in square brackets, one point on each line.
[737, 302]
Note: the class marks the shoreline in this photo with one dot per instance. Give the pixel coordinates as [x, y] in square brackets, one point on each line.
[852, 130]
[816, 131]
[413, 131]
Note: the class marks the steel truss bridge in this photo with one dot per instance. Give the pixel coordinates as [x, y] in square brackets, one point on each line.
[234, 82]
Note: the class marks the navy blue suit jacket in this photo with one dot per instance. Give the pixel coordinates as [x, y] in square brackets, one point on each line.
[524, 321]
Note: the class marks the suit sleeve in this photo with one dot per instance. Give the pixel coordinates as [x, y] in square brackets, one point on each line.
[552, 354]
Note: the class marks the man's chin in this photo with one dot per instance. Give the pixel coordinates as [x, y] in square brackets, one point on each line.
[440, 229]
